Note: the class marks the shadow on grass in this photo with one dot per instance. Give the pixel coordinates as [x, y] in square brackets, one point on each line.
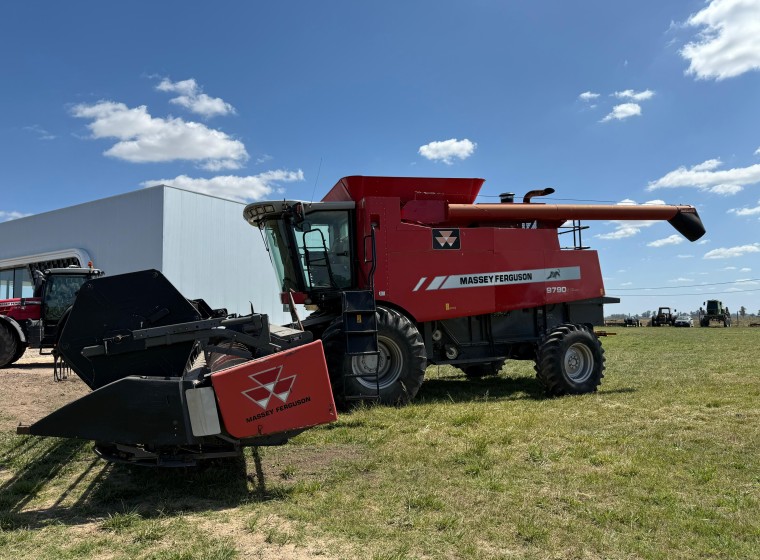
[459, 390]
[76, 487]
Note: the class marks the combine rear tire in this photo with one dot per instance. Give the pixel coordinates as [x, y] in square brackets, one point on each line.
[401, 366]
[570, 361]
[9, 346]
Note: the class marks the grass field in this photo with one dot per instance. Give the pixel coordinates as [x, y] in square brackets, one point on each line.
[662, 462]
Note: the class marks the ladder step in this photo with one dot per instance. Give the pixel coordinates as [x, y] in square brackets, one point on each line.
[361, 345]
[360, 330]
[358, 300]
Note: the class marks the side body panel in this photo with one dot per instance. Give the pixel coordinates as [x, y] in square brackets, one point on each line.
[21, 309]
[443, 273]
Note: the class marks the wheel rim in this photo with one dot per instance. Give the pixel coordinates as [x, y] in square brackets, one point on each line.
[388, 369]
[579, 362]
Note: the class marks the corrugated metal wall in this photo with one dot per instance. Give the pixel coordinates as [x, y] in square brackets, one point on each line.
[121, 233]
[211, 252]
[201, 243]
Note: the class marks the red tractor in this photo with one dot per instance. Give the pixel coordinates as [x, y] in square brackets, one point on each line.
[406, 272]
[37, 321]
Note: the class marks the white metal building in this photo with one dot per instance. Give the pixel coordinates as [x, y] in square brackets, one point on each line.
[200, 243]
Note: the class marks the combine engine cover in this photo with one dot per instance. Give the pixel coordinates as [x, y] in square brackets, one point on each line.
[175, 382]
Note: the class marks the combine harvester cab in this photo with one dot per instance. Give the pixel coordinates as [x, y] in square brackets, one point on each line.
[175, 382]
[404, 272]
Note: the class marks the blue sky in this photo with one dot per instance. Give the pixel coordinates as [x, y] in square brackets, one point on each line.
[603, 101]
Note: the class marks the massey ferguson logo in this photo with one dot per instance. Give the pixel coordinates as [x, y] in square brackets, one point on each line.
[500, 278]
[446, 239]
[269, 383]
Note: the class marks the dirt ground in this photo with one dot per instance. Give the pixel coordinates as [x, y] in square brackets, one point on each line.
[29, 391]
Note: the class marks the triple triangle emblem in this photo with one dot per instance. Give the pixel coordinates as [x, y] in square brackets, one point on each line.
[269, 383]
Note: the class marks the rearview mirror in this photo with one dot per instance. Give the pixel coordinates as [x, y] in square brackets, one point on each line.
[304, 227]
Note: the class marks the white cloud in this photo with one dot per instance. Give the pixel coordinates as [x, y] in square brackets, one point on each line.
[143, 138]
[629, 228]
[728, 43]
[634, 95]
[707, 165]
[704, 177]
[728, 268]
[685, 256]
[746, 211]
[621, 232]
[8, 216]
[446, 150]
[231, 187]
[726, 190]
[731, 252]
[588, 96]
[757, 152]
[624, 111]
[193, 99]
[674, 239]
[681, 279]
[41, 133]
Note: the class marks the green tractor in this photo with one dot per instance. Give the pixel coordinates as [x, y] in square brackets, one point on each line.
[715, 312]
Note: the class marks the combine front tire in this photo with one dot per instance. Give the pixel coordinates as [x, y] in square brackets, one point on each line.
[9, 346]
[400, 366]
[570, 361]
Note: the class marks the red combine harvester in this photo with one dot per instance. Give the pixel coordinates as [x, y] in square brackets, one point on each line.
[406, 272]
[400, 273]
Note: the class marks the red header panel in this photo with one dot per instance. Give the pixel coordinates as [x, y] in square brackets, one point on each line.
[280, 392]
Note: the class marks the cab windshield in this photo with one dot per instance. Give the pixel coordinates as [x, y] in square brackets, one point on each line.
[313, 254]
[60, 293]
